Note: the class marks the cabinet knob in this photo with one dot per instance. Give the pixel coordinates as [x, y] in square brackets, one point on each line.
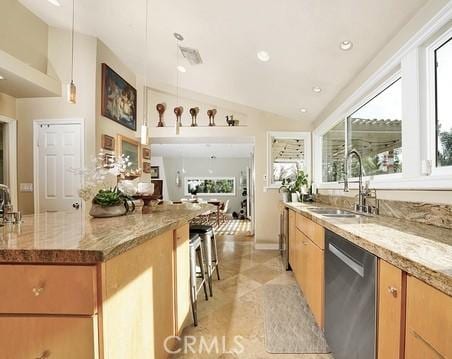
[393, 291]
[37, 292]
[45, 354]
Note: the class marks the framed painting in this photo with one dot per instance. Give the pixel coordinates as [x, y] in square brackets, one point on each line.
[146, 167]
[155, 172]
[108, 143]
[119, 99]
[130, 148]
[146, 153]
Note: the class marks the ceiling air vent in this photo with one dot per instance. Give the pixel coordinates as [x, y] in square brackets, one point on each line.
[192, 55]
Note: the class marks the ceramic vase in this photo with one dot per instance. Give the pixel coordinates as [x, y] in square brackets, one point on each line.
[97, 211]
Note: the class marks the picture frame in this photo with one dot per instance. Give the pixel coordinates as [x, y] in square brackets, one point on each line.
[146, 153]
[118, 99]
[146, 167]
[155, 172]
[129, 147]
[107, 142]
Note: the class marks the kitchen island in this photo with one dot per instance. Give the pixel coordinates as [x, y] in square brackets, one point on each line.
[77, 287]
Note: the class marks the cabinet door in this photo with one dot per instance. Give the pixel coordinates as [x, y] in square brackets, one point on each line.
[391, 311]
[428, 321]
[315, 281]
[292, 230]
[138, 303]
[182, 276]
[48, 337]
[301, 262]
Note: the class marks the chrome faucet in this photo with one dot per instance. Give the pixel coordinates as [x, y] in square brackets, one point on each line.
[364, 193]
[5, 200]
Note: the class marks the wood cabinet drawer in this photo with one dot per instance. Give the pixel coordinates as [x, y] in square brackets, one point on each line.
[47, 289]
[48, 337]
[428, 321]
[391, 311]
[312, 230]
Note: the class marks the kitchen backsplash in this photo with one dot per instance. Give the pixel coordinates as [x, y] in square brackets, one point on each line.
[435, 214]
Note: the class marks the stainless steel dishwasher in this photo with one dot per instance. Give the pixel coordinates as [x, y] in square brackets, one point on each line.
[350, 299]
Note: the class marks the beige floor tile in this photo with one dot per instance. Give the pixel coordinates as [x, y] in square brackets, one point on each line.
[261, 273]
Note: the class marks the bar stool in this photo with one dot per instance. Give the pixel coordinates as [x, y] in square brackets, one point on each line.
[210, 248]
[196, 254]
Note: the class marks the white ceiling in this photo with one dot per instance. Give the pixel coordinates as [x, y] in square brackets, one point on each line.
[302, 37]
[202, 150]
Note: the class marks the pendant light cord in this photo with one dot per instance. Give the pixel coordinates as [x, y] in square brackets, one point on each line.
[145, 119]
[72, 35]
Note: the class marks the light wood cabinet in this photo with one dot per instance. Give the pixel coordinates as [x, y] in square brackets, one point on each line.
[49, 337]
[391, 311]
[428, 322]
[137, 301]
[182, 277]
[292, 233]
[48, 289]
[308, 263]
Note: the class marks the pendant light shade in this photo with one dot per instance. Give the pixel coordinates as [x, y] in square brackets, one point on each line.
[71, 89]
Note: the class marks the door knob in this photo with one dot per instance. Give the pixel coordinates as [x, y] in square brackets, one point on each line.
[45, 354]
[393, 291]
[76, 205]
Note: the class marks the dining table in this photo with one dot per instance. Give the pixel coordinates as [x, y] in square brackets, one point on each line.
[219, 205]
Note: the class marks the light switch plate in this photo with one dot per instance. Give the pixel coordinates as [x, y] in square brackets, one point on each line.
[26, 187]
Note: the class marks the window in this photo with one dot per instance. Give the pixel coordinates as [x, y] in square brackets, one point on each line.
[374, 130]
[210, 186]
[443, 103]
[2, 161]
[288, 153]
[333, 153]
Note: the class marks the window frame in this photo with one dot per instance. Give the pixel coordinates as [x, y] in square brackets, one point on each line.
[431, 103]
[395, 76]
[231, 194]
[305, 136]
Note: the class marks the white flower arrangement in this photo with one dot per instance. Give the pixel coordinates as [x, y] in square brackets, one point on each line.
[104, 174]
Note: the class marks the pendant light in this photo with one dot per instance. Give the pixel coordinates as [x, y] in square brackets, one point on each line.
[144, 125]
[179, 38]
[71, 89]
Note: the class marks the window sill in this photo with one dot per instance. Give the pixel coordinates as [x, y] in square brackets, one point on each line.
[432, 182]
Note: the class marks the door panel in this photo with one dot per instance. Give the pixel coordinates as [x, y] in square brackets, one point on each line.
[59, 151]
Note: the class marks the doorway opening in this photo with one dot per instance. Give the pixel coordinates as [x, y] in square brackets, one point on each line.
[219, 171]
[8, 156]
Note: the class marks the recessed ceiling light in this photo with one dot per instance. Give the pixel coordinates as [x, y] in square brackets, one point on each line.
[316, 89]
[263, 56]
[346, 45]
[303, 110]
[54, 2]
[182, 69]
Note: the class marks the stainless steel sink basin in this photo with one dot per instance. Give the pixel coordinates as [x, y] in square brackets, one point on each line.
[333, 212]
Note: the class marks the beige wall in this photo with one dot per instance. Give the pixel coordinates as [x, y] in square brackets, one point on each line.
[58, 108]
[23, 34]
[7, 105]
[256, 124]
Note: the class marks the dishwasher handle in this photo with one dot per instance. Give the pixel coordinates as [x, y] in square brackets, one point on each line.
[356, 267]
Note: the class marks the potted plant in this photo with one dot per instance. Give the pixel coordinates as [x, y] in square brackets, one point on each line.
[295, 187]
[284, 189]
[111, 203]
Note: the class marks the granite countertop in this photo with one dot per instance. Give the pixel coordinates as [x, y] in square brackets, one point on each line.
[422, 250]
[76, 238]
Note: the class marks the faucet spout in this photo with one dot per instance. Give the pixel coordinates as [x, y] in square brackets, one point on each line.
[355, 153]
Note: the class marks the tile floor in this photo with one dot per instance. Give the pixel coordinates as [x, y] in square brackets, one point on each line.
[236, 307]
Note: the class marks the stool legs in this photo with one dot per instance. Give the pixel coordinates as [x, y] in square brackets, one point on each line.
[200, 254]
[215, 254]
[197, 253]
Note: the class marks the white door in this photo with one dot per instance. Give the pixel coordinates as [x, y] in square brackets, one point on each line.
[59, 151]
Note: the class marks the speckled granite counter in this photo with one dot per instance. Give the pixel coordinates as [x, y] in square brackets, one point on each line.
[421, 250]
[79, 239]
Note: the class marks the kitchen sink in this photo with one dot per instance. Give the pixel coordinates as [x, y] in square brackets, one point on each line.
[333, 212]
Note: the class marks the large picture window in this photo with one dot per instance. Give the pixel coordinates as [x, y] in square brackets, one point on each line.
[374, 130]
[443, 102]
[210, 186]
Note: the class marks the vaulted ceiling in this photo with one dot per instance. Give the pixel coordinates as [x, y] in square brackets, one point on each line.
[302, 38]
